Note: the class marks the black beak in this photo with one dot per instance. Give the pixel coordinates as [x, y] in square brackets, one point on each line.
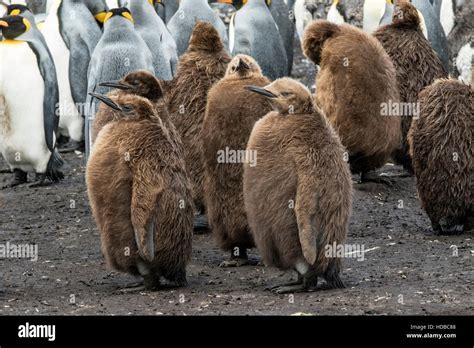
[261, 91]
[115, 84]
[106, 100]
[242, 65]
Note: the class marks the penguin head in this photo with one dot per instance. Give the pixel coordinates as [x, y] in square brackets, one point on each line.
[17, 10]
[243, 66]
[98, 10]
[287, 96]
[121, 12]
[15, 28]
[315, 35]
[128, 106]
[239, 3]
[406, 15]
[139, 82]
[205, 38]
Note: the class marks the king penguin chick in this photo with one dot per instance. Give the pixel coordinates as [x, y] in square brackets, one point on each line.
[356, 83]
[416, 63]
[204, 63]
[443, 155]
[231, 113]
[28, 129]
[189, 12]
[254, 32]
[120, 51]
[144, 210]
[298, 197]
[159, 40]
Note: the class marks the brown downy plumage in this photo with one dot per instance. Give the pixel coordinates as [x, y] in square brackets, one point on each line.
[230, 115]
[298, 197]
[139, 82]
[441, 145]
[416, 62]
[203, 64]
[357, 78]
[140, 194]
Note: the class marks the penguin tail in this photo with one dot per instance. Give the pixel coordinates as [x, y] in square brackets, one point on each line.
[314, 37]
[55, 163]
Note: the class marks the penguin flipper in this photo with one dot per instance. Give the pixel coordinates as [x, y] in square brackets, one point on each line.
[80, 57]
[147, 188]
[304, 206]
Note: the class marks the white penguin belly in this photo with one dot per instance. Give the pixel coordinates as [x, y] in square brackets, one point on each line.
[22, 138]
[71, 122]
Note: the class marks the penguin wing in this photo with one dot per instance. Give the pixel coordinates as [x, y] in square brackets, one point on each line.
[305, 208]
[147, 187]
[80, 56]
[51, 93]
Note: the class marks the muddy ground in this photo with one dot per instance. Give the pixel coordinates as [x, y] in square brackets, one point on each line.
[406, 269]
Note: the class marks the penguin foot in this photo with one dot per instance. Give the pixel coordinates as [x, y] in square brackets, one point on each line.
[19, 178]
[372, 177]
[307, 283]
[40, 181]
[201, 225]
[276, 287]
[71, 146]
[290, 289]
[335, 282]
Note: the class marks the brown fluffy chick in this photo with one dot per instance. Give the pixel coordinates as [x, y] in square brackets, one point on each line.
[441, 144]
[298, 197]
[231, 113]
[417, 65]
[203, 64]
[140, 194]
[356, 80]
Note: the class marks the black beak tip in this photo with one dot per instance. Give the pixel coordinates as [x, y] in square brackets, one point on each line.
[261, 91]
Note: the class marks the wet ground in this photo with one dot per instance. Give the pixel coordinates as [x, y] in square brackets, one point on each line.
[406, 269]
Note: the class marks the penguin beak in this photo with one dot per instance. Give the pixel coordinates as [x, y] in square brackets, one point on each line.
[106, 100]
[3, 24]
[230, 2]
[260, 90]
[242, 65]
[100, 17]
[115, 84]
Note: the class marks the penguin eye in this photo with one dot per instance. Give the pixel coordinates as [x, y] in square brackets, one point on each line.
[285, 94]
[127, 108]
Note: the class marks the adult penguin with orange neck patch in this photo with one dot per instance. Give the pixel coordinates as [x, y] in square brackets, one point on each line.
[203, 64]
[356, 80]
[416, 62]
[228, 105]
[120, 51]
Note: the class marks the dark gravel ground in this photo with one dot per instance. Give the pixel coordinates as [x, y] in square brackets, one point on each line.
[406, 270]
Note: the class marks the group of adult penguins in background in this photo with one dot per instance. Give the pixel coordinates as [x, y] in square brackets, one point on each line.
[184, 91]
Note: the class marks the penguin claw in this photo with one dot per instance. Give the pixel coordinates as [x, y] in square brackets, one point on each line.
[237, 262]
[131, 288]
[290, 289]
[378, 179]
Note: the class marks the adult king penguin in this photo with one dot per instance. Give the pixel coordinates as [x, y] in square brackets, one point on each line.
[81, 34]
[28, 141]
[120, 51]
[155, 34]
[254, 32]
[189, 12]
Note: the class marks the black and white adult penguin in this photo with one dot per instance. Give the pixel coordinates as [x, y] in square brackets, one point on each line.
[335, 13]
[80, 33]
[155, 34]
[430, 25]
[120, 51]
[71, 53]
[254, 32]
[28, 141]
[189, 12]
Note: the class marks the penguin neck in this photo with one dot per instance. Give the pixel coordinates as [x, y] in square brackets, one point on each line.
[116, 26]
[256, 3]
